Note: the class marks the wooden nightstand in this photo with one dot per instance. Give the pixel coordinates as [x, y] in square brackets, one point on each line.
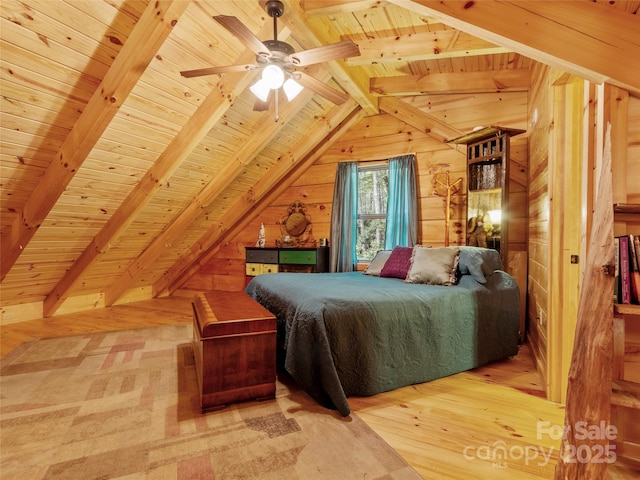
[234, 343]
[282, 259]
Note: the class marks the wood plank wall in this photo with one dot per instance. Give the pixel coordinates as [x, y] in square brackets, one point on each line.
[380, 137]
[626, 179]
[538, 239]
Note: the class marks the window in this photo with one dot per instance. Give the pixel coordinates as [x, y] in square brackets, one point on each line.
[374, 208]
[373, 187]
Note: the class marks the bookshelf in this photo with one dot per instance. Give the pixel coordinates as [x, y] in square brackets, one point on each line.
[625, 395]
[626, 212]
[626, 309]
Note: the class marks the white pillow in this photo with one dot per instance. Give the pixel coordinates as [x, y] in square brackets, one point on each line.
[377, 263]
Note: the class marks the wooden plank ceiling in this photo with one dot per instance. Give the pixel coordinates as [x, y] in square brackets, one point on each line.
[118, 173]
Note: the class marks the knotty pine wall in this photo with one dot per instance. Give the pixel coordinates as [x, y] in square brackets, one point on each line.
[544, 325]
[380, 137]
[538, 238]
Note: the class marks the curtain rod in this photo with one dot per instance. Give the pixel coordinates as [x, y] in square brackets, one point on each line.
[381, 160]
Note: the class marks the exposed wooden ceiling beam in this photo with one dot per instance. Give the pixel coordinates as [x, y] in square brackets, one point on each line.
[583, 38]
[332, 7]
[509, 80]
[353, 80]
[418, 119]
[422, 46]
[197, 127]
[151, 30]
[322, 135]
[233, 167]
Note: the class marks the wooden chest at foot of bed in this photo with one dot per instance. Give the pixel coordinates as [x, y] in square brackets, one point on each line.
[234, 343]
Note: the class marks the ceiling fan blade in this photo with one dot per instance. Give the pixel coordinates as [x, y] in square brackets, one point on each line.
[246, 36]
[213, 70]
[333, 51]
[320, 88]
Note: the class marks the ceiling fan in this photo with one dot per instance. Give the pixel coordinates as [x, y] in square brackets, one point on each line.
[278, 60]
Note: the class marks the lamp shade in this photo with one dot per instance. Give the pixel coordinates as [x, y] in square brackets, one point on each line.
[261, 89]
[273, 77]
[291, 88]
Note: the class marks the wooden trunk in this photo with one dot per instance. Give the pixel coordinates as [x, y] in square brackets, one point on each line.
[234, 343]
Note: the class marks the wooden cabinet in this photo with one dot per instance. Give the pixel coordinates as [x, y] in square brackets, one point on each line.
[279, 259]
[490, 213]
[488, 187]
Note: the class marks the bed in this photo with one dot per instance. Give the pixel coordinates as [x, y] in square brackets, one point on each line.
[354, 334]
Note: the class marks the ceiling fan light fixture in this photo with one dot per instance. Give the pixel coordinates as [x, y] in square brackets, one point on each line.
[291, 88]
[261, 89]
[273, 76]
[278, 60]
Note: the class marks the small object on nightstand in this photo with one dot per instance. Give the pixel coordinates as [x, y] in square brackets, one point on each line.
[261, 237]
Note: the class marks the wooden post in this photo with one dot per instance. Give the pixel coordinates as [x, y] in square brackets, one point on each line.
[584, 450]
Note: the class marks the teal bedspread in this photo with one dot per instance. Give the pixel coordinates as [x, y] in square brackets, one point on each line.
[353, 334]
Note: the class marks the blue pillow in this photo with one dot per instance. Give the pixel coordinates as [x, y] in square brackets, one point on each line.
[479, 262]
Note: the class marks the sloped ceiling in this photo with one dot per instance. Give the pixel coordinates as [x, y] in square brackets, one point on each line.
[118, 173]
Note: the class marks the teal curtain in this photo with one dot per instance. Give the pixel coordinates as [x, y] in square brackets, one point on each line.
[344, 218]
[402, 203]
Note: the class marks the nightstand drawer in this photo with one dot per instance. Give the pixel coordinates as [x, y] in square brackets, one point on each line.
[261, 255]
[299, 257]
[253, 269]
[270, 268]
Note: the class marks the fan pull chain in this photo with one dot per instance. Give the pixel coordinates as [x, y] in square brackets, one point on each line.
[275, 92]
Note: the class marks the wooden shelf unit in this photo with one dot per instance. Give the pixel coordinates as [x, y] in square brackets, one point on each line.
[488, 160]
[626, 208]
[625, 395]
[626, 212]
[492, 189]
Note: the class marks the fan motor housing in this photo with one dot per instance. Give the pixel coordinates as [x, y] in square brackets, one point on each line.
[274, 8]
[278, 46]
[280, 52]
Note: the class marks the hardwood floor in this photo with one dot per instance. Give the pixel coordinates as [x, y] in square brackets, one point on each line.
[489, 423]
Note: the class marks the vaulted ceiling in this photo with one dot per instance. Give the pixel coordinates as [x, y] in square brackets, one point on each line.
[118, 173]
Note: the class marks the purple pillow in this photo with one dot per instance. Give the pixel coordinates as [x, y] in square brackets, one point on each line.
[398, 263]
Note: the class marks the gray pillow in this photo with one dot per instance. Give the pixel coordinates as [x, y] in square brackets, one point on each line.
[479, 262]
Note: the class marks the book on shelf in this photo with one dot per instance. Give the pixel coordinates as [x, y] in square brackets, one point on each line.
[616, 263]
[627, 269]
[634, 269]
[625, 281]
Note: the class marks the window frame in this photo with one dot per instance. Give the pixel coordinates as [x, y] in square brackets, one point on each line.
[368, 167]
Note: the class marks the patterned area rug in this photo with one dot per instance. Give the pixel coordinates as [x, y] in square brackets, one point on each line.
[125, 405]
